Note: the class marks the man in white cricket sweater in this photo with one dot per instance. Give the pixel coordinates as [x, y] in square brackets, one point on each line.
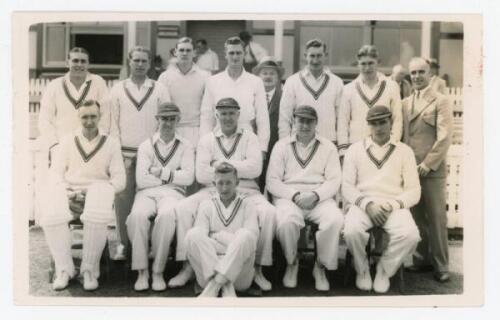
[133, 103]
[315, 86]
[88, 168]
[165, 167]
[244, 87]
[303, 177]
[380, 183]
[186, 84]
[59, 106]
[369, 89]
[221, 245]
[240, 148]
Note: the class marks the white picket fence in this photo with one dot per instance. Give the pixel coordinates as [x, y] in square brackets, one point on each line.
[454, 158]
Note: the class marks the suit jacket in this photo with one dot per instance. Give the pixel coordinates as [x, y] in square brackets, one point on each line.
[428, 130]
[274, 113]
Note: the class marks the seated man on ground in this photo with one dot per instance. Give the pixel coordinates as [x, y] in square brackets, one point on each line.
[380, 183]
[240, 148]
[221, 245]
[165, 167]
[89, 169]
[303, 177]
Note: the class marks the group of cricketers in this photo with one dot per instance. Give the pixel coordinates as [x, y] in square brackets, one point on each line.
[222, 165]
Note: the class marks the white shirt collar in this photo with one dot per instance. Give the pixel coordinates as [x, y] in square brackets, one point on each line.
[218, 132]
[156, 138]
[293, 138]
[147, 83]
[68, 79]
[369, 142]
[79, 133]
[307, 73]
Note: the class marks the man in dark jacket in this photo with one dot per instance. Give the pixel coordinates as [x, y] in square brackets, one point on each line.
[271, 73]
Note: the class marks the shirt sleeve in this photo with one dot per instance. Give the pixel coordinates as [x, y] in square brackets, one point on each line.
[333, 176]
[113, 103]
[444, 128]
[204, 171]
[250, 222]
[411, 181]
[203, 216]
[262, 115]
[287, 104]
[207, 112]
[343, 121]
[47, 116]
[215, 61]
[184, 176]
[251, 166]
[397, 112]
[276, 174]
[144, 178]
[117, 174]
[164, 95]
[101, 97]
[60, 164]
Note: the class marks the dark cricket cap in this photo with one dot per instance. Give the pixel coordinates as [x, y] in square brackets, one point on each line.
[377, 113]
[307, 112]
[227, 103]
[168, 109]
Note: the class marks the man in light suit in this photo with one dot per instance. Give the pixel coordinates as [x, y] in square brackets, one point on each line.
[427, 124]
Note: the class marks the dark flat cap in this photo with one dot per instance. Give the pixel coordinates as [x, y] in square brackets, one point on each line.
[227, 103]
[377, 113]
[168, 109]
[433, 63]
[307, 112]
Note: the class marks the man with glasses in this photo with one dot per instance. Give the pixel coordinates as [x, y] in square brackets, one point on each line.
[133, 104]
[370, 88]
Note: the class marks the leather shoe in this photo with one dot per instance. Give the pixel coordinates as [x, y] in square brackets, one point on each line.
[61, 281]
[261, 280]
[364, 281]
[182, 277]
[89, 282]
[442, 276]
[320, 281]
[290, 277]
[381, 283]
[228, 290]
[158, 282]
[142, 282]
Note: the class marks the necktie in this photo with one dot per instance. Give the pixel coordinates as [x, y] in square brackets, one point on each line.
[268, 98]
[416, 97]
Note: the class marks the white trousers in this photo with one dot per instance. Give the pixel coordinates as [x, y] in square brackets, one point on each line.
[237, 264]
[326, 215]
[98, 206]
[148, 208]
[403, 238]
[58, 237]
[186, 212]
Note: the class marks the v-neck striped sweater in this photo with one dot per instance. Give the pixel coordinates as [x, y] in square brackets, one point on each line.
[293, 168]
[392, 176]
[213, 216]
[80, 163]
